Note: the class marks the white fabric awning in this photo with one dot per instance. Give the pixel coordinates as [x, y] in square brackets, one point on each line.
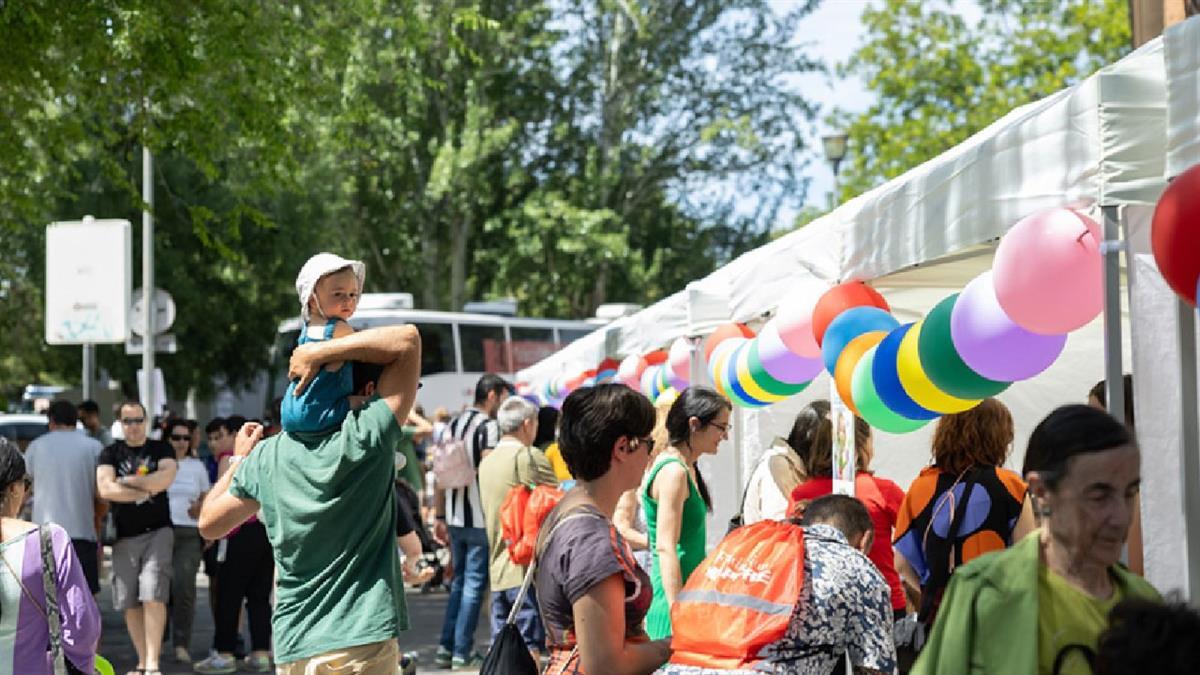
[1183, 95]
[1098, 143]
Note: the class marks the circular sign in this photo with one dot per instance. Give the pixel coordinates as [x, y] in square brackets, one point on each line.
[164, 312]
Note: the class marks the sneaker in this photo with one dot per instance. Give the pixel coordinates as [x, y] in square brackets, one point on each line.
[443, 658]
[257, 664]
[182, 655]
[472, 662]
[215, 664]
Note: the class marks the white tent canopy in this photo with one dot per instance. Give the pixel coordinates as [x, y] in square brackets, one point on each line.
[1183, 95]
[1161, 362]
[927, 233]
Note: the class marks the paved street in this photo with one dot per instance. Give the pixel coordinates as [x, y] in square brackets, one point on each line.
[425, 613]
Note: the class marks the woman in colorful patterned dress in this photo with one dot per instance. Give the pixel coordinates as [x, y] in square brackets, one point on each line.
[962, 506]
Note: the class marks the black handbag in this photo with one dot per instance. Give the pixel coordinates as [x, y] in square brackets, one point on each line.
[508, 654]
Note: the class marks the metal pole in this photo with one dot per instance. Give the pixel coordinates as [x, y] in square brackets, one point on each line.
[1190, 443]
[148, 281]
[89, 368]
[1114, 376]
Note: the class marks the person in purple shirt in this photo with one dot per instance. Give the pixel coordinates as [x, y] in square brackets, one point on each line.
[24, 630]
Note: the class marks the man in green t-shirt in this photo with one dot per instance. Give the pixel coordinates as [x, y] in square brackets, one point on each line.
[328, 505]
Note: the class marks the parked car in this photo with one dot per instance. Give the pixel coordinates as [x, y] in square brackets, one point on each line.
[23, 428]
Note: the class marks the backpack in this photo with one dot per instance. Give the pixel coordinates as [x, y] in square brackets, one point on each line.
[521, 518]
[453, 465]
[740, 600]
[522, 512]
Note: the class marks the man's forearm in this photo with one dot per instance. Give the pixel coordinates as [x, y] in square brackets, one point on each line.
[115, 492]
[153, 483]
[376, 345]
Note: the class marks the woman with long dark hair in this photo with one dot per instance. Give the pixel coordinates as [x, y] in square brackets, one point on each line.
[781, 469]
[38, 560]
[881, 496]
[676, 499]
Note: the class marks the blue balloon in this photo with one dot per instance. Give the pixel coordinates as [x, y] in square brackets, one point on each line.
[887, 378]
[849, 325]
[737, 392]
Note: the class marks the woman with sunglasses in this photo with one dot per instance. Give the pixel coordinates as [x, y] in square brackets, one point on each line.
[592, 594]
[24, 613]
[676, 499]
[186, 494]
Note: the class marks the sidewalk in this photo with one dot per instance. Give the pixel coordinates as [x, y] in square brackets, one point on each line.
[424, 610]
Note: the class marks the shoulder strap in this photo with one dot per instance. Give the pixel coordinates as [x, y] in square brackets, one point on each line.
[746, 490]
[53, 616]
[512, 614]
[329, 326]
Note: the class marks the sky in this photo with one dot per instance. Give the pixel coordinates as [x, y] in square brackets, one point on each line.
[830, 34]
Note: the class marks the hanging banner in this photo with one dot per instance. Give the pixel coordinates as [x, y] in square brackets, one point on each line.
[844, 455]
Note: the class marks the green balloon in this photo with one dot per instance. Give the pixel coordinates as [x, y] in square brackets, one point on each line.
[941, 362]
[870, 407]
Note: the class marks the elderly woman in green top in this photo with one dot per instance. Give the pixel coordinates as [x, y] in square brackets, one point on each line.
[1041, 605]
[676, 500]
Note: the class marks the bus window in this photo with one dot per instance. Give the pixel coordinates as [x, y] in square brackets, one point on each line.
[437, 348]
[568, 335]
[482, 348]
[530, 345]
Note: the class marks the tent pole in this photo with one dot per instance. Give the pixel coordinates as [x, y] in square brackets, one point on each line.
[1190, 443]
[1110, 249]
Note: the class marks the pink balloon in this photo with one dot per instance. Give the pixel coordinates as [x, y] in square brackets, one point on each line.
[780, 362]
[793, 320]
[679, 360]
[1047, 272]
[631, 369]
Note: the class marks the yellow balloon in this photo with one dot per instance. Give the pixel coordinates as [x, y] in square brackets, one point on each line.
[918, 385]
[717, 366]
[748, 383]
[851, 354]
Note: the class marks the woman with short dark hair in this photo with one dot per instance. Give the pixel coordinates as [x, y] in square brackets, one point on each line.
[962, 506]
[592, 594]
[1031, 607]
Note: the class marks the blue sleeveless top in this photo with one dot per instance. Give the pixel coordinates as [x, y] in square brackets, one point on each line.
[323, 405]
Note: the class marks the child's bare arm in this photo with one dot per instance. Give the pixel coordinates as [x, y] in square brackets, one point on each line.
[340, 329]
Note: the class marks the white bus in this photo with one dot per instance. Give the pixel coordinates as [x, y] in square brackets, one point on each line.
[456, 347]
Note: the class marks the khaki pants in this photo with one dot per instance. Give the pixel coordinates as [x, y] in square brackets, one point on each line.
[377, 658]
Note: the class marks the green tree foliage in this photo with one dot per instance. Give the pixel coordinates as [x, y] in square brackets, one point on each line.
[566, 154]
[938, 78]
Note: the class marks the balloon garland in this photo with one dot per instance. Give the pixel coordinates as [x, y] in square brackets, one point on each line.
[1009, 324]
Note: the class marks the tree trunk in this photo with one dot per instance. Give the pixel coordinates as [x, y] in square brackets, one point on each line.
[430, 247]
[460, 233]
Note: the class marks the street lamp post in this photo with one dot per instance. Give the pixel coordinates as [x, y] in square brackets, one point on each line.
[835, 151]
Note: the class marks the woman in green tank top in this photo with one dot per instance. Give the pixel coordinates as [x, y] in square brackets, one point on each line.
[676, 500]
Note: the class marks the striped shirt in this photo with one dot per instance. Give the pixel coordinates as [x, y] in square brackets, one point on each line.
[464, 508]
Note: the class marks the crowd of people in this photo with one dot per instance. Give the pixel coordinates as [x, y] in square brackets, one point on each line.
[315, 525]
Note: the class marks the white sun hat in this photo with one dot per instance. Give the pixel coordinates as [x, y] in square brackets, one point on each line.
[318, 266]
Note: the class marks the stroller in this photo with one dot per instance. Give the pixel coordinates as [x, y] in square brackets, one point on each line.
[433, 554]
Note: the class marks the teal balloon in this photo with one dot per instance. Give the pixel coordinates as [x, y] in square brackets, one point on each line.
[872, 408]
